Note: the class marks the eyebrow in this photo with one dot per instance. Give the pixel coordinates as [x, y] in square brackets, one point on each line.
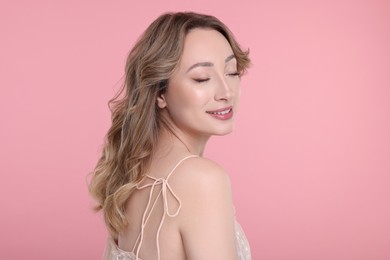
[209, 64]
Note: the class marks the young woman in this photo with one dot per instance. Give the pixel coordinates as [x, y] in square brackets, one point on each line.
[160, 198]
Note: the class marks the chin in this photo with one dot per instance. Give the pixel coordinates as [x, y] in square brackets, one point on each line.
[226, 131]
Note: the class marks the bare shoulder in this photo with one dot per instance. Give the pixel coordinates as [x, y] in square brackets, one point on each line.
[202, 169]
[206, 219]
[200, 184]
[199, 174]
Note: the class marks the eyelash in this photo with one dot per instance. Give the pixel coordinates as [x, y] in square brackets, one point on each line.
[201, 80]
[235, 74]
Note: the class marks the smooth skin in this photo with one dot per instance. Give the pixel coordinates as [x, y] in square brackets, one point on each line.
[206, 79]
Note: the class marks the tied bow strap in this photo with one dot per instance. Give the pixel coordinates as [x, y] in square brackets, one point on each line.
[165, 188]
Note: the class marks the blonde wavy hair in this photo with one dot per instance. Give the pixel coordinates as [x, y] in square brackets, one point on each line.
[136, 120]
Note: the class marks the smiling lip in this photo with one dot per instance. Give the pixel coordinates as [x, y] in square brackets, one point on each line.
[222, 114]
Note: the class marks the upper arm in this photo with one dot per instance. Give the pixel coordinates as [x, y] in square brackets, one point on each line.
[207, 216]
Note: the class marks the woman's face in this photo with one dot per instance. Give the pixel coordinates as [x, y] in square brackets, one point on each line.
[203, 94]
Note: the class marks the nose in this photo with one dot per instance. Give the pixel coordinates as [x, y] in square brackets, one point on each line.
[224, 90]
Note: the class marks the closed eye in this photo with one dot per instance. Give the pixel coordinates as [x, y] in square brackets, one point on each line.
[234, 74]
[202, 80]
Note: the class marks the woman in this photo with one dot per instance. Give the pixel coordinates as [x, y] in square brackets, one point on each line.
[160, 198]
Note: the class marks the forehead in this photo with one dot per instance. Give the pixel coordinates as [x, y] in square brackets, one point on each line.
[205, 45]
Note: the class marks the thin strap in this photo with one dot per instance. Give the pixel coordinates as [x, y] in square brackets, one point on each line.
[165, 188]
[174, 168]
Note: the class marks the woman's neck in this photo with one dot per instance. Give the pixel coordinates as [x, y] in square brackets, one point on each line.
[178, 141]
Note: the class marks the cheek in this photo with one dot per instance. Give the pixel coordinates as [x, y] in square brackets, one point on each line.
[189, 97]
[237, 95]
[201, 96]
[238, 91]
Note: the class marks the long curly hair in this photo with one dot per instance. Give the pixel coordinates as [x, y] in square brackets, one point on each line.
[136, 120]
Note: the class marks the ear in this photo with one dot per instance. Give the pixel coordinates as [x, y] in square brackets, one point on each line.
[161, 102]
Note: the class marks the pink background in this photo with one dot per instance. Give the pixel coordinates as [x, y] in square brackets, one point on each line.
[309, 160]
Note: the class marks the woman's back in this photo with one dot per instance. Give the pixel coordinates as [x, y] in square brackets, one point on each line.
[170, 242]
[179, 234]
